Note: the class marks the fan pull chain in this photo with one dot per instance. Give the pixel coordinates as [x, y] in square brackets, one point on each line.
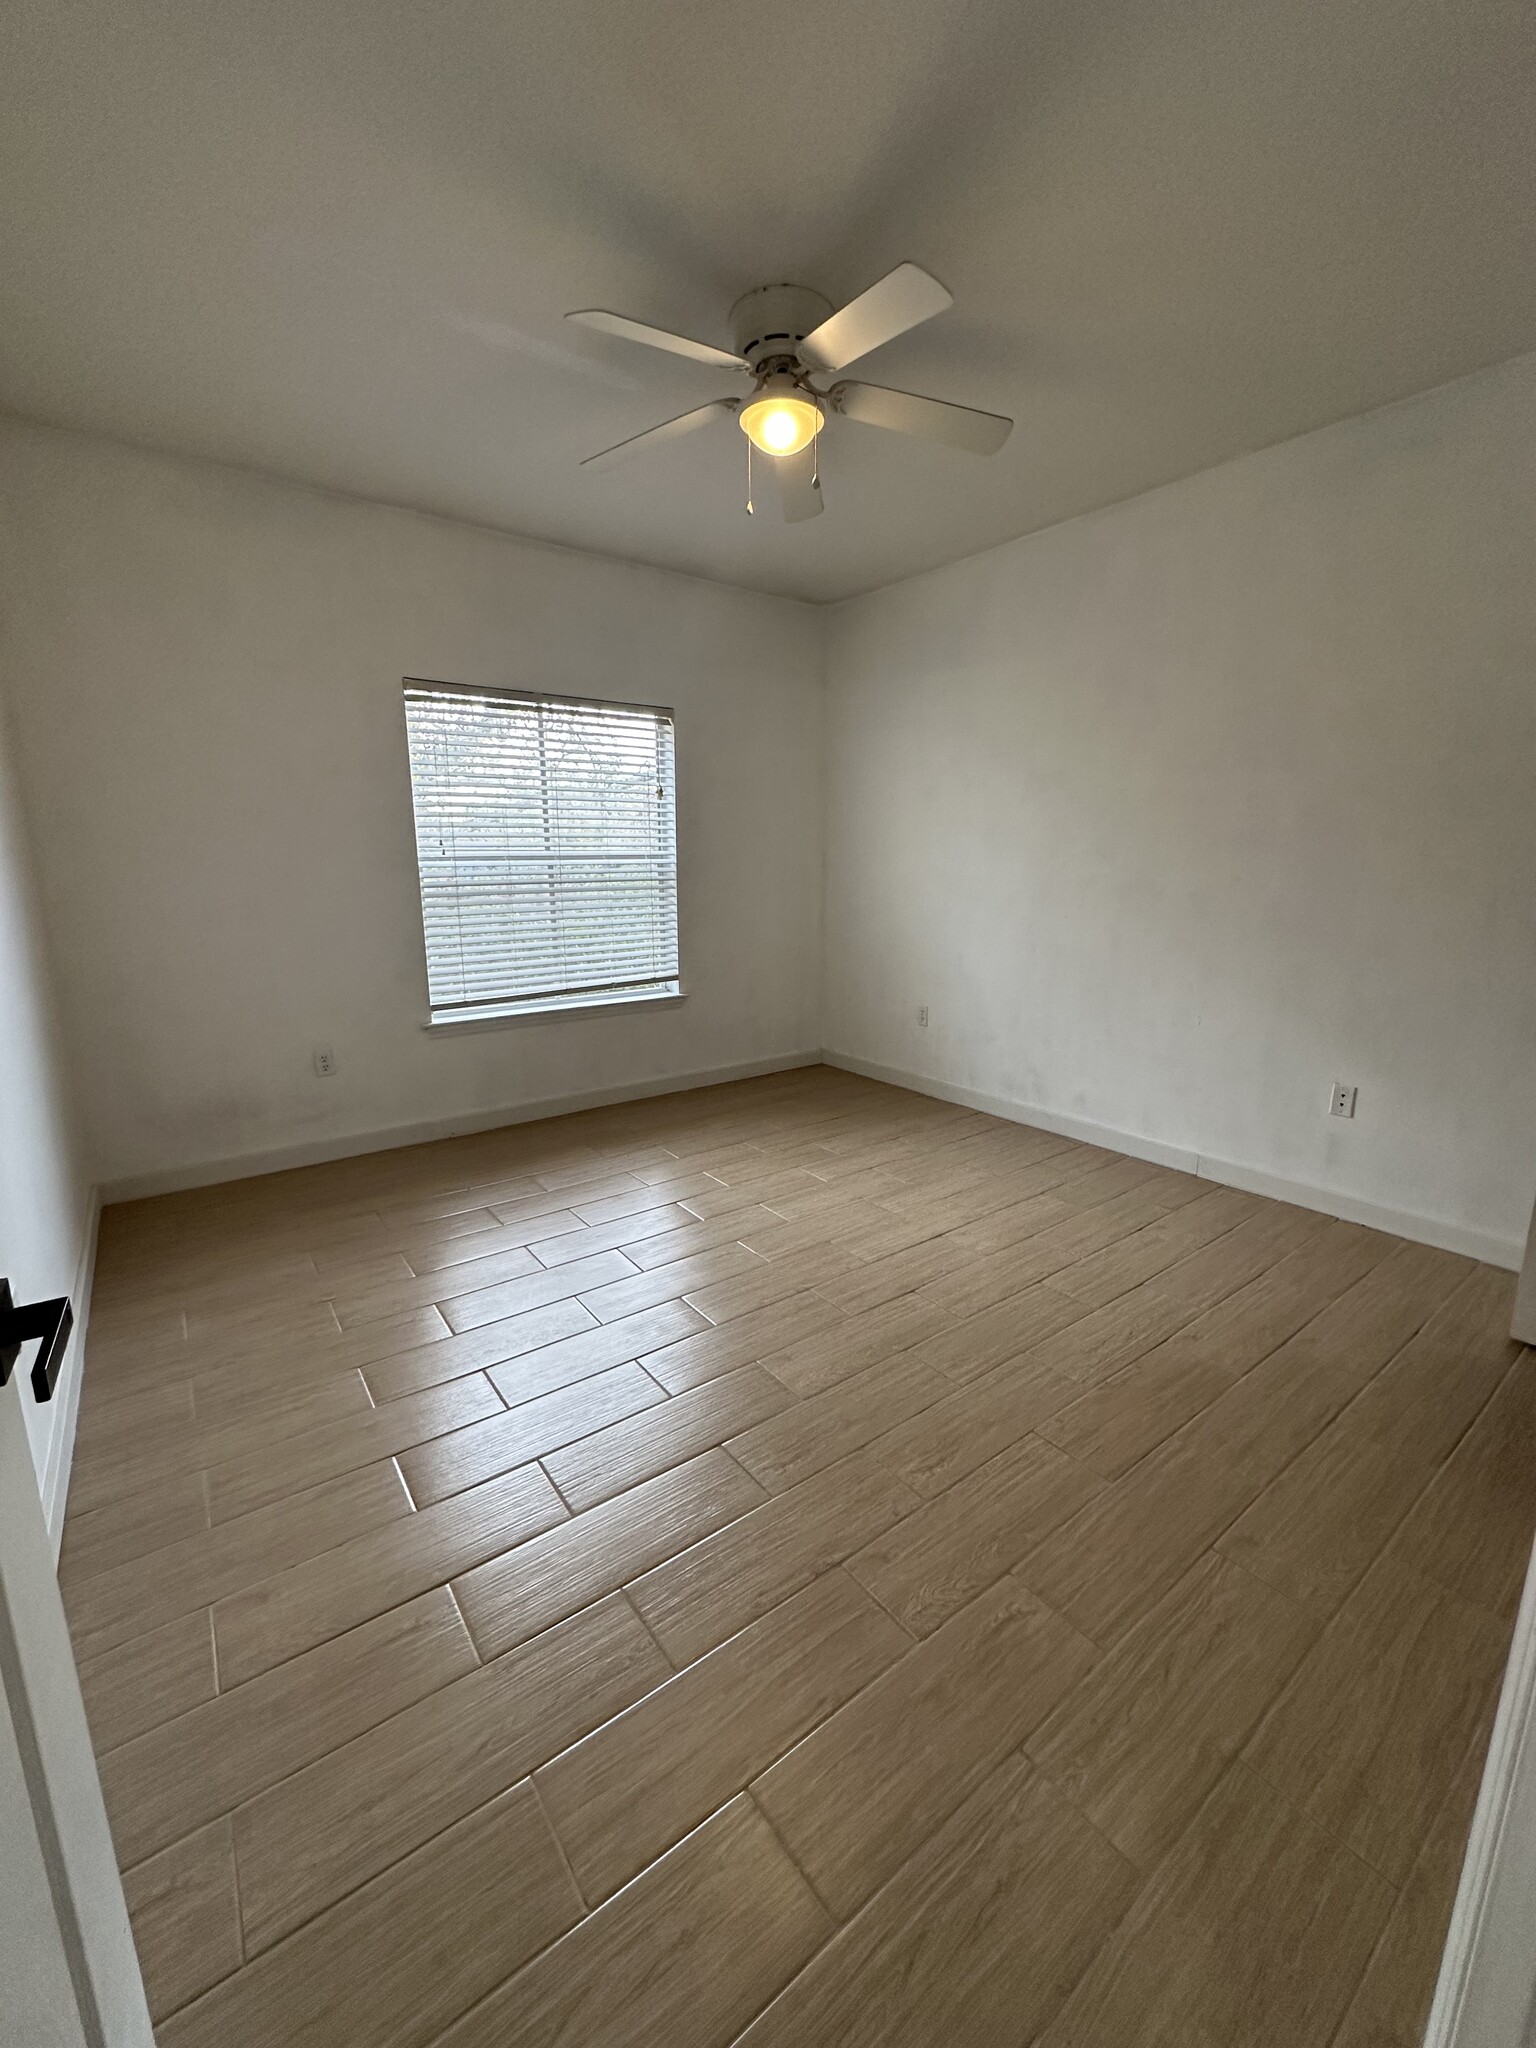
[816, 455]
[750, 507]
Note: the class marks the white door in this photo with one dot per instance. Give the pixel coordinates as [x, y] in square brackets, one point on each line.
[69, 1977]
[1524, 1324]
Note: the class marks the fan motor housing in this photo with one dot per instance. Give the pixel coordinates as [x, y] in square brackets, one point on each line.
[774, 319]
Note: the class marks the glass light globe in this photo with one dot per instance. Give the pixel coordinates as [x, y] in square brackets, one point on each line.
[780, 422]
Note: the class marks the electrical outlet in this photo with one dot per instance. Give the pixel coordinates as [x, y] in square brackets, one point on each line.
[325, 1062]
[922, 1015]
[1343, 1103]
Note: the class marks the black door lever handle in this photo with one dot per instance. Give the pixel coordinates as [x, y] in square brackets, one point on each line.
[48, 1321]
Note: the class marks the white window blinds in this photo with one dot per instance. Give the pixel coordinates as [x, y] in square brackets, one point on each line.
[547, 845]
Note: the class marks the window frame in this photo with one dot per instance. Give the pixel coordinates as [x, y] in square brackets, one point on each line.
[538, 1009]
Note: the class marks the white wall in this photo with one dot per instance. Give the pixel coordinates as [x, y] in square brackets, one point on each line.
[47, 1209]
[1179, 813]
[207, 676]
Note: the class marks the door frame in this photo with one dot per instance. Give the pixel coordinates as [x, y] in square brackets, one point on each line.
[84, 1909]
[1486, 1994]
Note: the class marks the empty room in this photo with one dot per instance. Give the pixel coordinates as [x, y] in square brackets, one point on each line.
[767, 1024]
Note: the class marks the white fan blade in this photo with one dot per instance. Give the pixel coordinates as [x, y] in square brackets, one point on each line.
[799, 490]
[904, 299]
[669, 430]
[931, 419]
[658, 337]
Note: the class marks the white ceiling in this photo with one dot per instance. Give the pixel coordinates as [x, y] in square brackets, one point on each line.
[334, 239]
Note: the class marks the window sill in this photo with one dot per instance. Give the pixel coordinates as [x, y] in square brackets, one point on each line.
[449, 1021]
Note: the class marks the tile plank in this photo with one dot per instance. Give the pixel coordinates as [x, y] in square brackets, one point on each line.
[680, 1188]
[257, 1479]
[870, 1283]
[304, 1607]
[133, 1525]
[1256, 1929]
[668, 1283]
[769, 1281]
[322, 1832]
[537, 1290]
[1316, 1527]
[590, 1238]
[746, 1341]
[693, 1236]
[361, 1305]
[515, 1436]
[1391, 2007]
[150, 1678]
[864, 1340]
[706, 1593]
[477, 1901]
[512, 1597]
[862, 1791]
[685, 1955]
[622, 1797]
[980, 1343]
[978, 1938]
[1116, 1558]
[1141, 1742]
[1099, 1344]
[125, 1472]
[1018, 1247]
[790, 1446]
[185, 1918]
[493, 1343]
[590, 1351]
[127, 1600]
[1122, 1265]
[1400, 1679]
[926, 1567]
[1470, 1530]
[941, 1444]
[612, 1460]
[1143, 1404]
[228, 1748]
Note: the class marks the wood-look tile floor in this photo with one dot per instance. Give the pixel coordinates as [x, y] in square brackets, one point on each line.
[799, 1563]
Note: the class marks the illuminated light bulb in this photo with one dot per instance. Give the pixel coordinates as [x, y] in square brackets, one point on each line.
[781, 419]
[779, 430]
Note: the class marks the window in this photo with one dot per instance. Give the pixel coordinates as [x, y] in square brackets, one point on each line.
[546, 840]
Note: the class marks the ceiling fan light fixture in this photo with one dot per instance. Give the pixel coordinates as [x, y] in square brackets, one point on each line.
[784, 335]
[781, 418]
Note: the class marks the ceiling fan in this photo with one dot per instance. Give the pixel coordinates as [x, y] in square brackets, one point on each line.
[784, 336]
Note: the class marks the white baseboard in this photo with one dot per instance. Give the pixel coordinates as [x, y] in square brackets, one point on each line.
[1434, 1230]
[61, 1447]
[352, 1144]
[1081, 1127]
[1487, 1986]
